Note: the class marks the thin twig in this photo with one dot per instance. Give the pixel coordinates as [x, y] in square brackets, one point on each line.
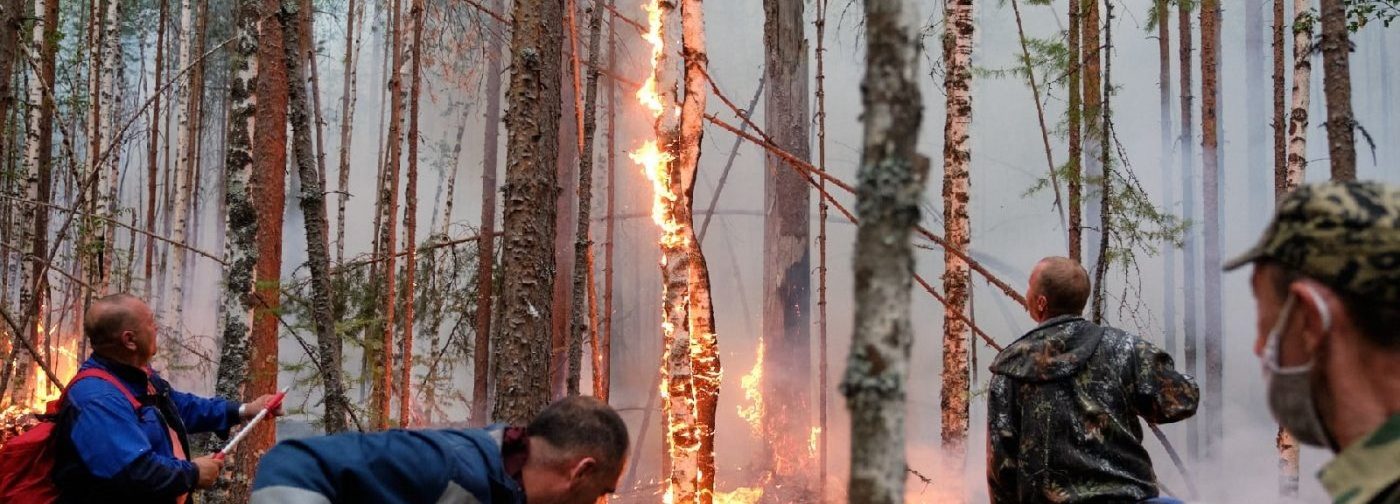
[121, 224]
[1039, 110]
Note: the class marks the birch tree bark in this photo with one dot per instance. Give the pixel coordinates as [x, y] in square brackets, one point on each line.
[957, 159]
[1294, 168]
[892, 177]
[241, 229]
[1336, 83]
[183, 172]
[787, 256]
[39, 157]
[313, 209]
[348, 97]
[521, 367]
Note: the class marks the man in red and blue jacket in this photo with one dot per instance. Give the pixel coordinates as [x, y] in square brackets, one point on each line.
[131, 445]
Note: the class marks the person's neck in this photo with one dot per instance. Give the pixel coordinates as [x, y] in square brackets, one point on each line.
[122, 358]
[1365, 395]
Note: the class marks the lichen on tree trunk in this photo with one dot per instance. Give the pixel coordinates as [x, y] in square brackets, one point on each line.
[892, 177]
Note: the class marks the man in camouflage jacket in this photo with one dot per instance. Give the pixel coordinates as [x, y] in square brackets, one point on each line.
[1326, 284]
[1065, 400]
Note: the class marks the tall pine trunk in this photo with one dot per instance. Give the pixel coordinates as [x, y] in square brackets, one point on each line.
[957, 277]
[388, 235]
[521, 369]
[1257, 108]
[313, 209]
[1336, 83]
[787, 258]
[1164, 164]
[1074, 165]
[1190, 339]
[410, 219]
[565, 208]
[892, 177]
[486, 245]
[241, 228]
[153, 149]
[582, 326]
[602, 387]
[1213, 392]
[1091, 114]
[1280, 124]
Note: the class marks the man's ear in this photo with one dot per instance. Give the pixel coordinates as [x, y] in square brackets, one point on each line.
[127, 340]
[1320, 308]
[584, 468]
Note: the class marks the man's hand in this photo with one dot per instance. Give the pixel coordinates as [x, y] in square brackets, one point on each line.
[209, 468]
[252, 409]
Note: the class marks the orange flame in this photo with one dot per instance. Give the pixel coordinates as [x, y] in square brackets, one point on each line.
[753, 414]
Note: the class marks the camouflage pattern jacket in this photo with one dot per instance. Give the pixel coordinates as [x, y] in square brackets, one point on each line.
[1063, 414]
[1368, 471]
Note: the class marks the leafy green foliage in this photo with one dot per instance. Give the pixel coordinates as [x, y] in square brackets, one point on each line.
[1362, 12]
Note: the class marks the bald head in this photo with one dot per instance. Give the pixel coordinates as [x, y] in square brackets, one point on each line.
[1058, 286]
[121, 327]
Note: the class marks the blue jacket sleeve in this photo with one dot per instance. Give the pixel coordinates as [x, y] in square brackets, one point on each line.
[114, 448]
[399, 466]
[202, 414]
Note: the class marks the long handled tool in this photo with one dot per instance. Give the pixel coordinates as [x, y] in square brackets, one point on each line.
[273, 404]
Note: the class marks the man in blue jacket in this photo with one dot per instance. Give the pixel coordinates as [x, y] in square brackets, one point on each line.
[109, 450]
[571, 453]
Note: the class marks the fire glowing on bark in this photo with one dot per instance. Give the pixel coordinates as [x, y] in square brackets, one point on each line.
[38, 390]
[753, 413]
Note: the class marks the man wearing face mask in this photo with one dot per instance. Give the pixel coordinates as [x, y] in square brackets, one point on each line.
[1064, 402]
[1326, 283]
[571, 453]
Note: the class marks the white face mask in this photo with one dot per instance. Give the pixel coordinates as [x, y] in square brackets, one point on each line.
[1290, 388]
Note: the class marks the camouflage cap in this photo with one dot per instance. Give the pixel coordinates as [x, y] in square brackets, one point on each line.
[1344, 234]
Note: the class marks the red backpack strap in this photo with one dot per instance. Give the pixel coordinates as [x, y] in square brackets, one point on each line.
[107, 377]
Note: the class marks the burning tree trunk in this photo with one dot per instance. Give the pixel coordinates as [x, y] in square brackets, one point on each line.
[410, 212]
[241, 251]
[521, 367]
[1213, 392]
[787, 263]
[1188, 210]
[892, 177]
[486, 250]
[1076, 146]
[957, 158]
[690, 357]
[582, 326]
[1336, 83]
[389, 208]
[313, 209]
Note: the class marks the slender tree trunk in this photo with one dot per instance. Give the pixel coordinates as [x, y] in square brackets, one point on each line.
[1190, 285]
[351, 64]
[410, 217]
[1074, 165]
[1257, 108]
[110, 83]
[313, 209]
[389, 201]
[153, 148]
[583, 247]
[602, 388]
[1280, 123]
[183, 173]
[11, 26]
[486, 245]
[1164, 164]
[39, 158]
[1336, 83]
[892, 177]
[822, 212]
[1092, 113]
[308, 48]
[241, 251]
[565, 215]
[1210, 142]
[1106, 194]
[787, 257]
[1301, 99]
[521, 369]
[957, 159]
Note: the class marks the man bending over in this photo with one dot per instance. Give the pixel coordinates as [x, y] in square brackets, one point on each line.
[1065, 400]
[571, 453]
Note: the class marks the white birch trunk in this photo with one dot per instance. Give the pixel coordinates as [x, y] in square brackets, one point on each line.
[957, 159]
[1302, 81]
[183, 185]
